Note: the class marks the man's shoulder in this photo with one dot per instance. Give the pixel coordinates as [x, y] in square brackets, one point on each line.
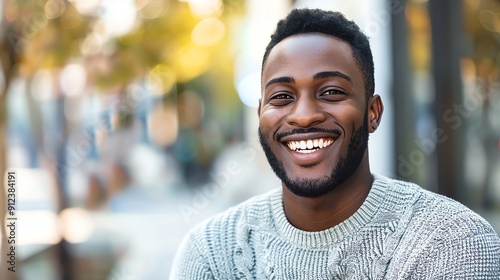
[433, 210]
[411, 193]
[437, 235]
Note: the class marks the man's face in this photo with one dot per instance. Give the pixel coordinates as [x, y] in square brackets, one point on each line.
[313, 113]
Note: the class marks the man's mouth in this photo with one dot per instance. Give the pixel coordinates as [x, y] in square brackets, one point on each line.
[310, 145]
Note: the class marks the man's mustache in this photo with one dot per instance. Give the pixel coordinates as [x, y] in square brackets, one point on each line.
[306, 130]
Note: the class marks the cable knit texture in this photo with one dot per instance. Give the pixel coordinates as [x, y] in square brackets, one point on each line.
[401, 231]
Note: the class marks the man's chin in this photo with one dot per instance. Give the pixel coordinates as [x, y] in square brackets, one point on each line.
[308, 187]
[318, 171]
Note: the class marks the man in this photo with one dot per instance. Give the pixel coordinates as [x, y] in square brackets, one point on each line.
[333, 219]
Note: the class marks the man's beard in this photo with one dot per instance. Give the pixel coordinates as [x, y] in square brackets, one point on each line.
[344, 169]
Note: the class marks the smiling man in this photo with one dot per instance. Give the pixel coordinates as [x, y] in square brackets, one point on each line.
[332, 218]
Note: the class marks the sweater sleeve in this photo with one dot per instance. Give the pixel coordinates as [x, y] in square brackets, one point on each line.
[464, 248]
[189, 263]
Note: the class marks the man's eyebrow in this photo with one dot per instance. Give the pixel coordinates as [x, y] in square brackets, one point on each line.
[331, 74]
[278, 80]
[317, 76]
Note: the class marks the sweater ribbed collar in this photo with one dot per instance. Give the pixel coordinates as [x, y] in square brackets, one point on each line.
[337, 233]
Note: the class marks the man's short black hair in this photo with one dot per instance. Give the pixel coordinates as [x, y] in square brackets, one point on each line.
[301, 21]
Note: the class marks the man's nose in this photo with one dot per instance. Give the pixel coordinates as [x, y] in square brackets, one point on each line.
[306, 112]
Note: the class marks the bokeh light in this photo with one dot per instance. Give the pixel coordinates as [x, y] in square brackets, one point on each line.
[119, 16]
[163, 125]
[92, 44]
[76, 225]
[161, 79]
[490, 20]
[468, 70]
[153, 9]
[72, 79]
[249, 89]
[54, 8]
[190, 61]
[205, 7]
[38, 227]
[87, 7]
[208, 32]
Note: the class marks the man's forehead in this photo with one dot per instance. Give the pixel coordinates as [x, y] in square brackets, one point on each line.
[307, 50]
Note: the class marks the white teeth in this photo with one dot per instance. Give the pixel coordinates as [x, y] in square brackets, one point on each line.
[309, 146]
[303, 145]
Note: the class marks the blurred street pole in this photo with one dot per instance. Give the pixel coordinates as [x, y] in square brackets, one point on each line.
[447, 39]
[404, 104]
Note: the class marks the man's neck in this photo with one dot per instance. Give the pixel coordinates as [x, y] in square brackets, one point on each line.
[316, 214]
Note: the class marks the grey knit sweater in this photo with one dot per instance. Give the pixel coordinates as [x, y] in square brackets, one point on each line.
[401, 231]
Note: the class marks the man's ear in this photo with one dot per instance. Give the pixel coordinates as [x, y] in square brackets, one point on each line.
[375, 110]
[258, 109]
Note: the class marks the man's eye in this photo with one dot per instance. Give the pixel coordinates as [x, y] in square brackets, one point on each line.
[281, 96]
[281, 99]
[332, 92]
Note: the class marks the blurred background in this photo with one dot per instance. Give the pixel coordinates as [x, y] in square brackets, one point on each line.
[129, 121]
